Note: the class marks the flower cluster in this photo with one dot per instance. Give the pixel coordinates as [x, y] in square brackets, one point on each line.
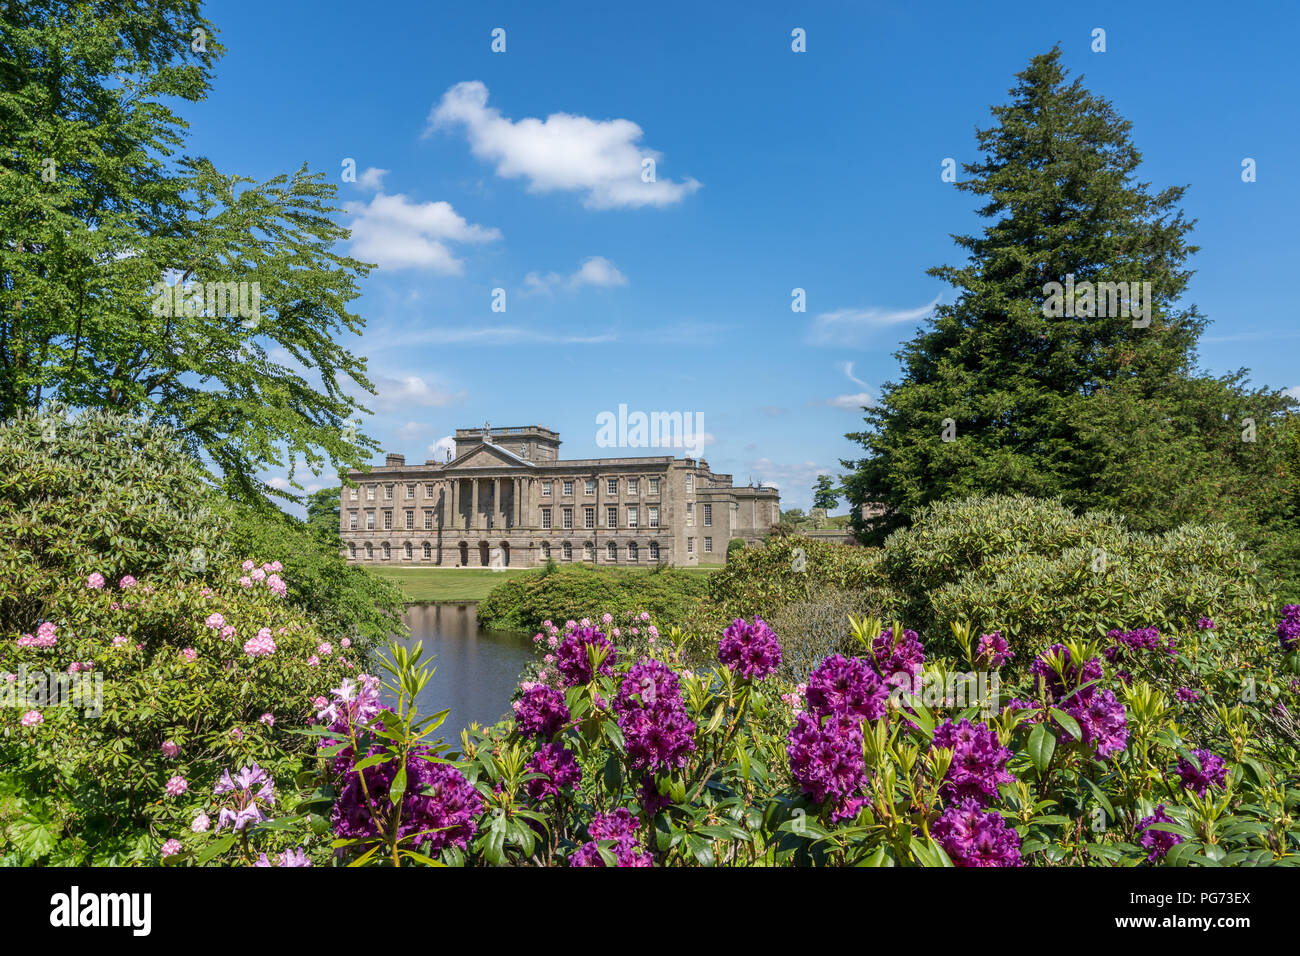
[826, 761]
[846, 686]
[571, 656]
[540, 711]
[46, 637]
[263, 645]
[1213, 772]
[1102, 719]
[244, 803]
[558, 769]
[652, 717]
[751, 650]
[1142, 639]
[619, 826]
[287, 858]
[1288, 629]
[1159, 842]
[972, 836]
[993, 650]
[895, 657]
[979, 762]
[1071, 678]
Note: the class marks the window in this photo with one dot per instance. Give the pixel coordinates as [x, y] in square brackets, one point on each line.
[388, 553]
[546, 550]
[652, 517]
[589, 552]
[406, 550]
[708, 516]
[568, 489]
[690, 514]
[370, 551]
[428, 551]
[590, 487]
[611, 486]
[611, 516]
[654, 486]
[388, 521]
[631, 517]
[388, 492]
[690, 545]
[567, 551]
[352, 521]
[354, 493]
[428, 490]
[654, 550]
[410, 491]
[690, 484]
[568, 519]
[352, 551]
[633, 553]
[546, 519]
[428, 519]
[708, 545]
[546, 489]
[589, 518]
[370, 521]
[611, 552]
[634, 486]
[370, 492]
[410, 521]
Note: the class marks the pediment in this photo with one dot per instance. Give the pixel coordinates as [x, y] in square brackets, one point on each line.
[487, 456]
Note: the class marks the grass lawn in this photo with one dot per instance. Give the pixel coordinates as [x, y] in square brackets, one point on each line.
[466, 584]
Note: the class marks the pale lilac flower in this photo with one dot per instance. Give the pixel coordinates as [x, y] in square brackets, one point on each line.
[201, 823]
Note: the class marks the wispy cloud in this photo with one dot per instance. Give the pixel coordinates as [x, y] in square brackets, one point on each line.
[412, 391]
[853, 327]
[855, 401]
[563, 152]
[399, 234]
[595, 271]
[387, 339]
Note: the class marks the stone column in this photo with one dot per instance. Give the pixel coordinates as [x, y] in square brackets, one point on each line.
[449, 504]
[497, 510]
[514, 504]
[473, 506]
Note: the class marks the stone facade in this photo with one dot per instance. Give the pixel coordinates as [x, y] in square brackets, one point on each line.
[506, 499]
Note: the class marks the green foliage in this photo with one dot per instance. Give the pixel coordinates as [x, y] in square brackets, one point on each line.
[734, 545]
[825, 493]
[1038, 572]
[1086, 408]
[323, 507]
[90, 90]
[578, 591]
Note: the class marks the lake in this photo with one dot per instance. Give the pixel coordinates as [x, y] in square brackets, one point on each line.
[477, 670]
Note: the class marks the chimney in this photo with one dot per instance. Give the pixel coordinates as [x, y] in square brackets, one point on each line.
[395, 461]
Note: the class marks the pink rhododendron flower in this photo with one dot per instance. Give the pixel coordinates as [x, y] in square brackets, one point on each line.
[313, 661]
[95, 582]
[119, 640]
[228, 631]
[126, 582]
[32, 718]
[169, 749]
[325, 649]
[201, 823]
[248, 565]
[177, 785]
[258, 575]
[215, 620]
[278, 587]
[171, 848]
[260, 646]
[189, 653]
[268, 719]
[345, 642]
[245, 582]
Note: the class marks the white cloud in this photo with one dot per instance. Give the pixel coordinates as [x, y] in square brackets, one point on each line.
[857, 400]
[595, 271]
[399, 234]
[412, 430]
[372, 179]
[852, 326]
[1292, 392]
[438, 450]
[563, 152]
[798, 477]
[468, 335]
[412, 391]
[280, 484]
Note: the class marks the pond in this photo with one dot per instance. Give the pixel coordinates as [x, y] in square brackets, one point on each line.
[477, 670]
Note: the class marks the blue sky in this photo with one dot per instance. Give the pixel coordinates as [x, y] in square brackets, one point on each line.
[774, 170]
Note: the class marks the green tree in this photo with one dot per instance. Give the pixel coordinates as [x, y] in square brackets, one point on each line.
[999, 395]
[97, 209]
[323, 512]
[825, 494]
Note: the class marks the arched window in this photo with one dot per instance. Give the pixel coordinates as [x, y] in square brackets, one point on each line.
[388, 552]
[370, 551]
[567, 551]
[589, 552]
[546, 550]
[406, 550]
[611, 552]
[633, 553]
[654, 550]
[428, 551]
[352, 551]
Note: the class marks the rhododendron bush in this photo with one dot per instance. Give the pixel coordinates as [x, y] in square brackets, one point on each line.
[619, 755]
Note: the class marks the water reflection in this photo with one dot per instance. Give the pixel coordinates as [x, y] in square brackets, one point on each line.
[477, 669]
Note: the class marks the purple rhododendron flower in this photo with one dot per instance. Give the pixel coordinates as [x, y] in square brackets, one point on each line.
[751, 650]
[1288, 629]
[656, 730]
[619, 826]
[558, 768]
[1212, 773]
[1142, 639]
[571, 656]
[540, 711]
[846, 686]
[1101, 717]
[979, 762]
[1159, 842]
[1074, 678]
[993, 649]
[894, 658]
[826, 760]
[972, 836]
[244, 806]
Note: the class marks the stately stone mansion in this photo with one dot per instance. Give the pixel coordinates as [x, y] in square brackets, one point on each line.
[505, 498]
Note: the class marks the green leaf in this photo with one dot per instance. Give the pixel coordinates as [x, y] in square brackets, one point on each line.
[1042, 744]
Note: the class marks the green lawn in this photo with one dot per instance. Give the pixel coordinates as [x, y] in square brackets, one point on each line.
[466, 584]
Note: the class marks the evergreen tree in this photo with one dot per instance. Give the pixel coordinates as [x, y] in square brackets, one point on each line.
[1012, 389]
[825, 494]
